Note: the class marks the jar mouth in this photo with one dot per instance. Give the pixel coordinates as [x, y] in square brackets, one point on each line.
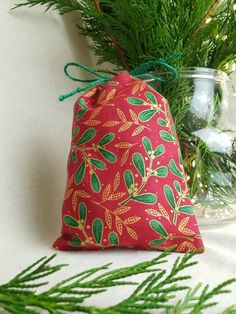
[191, 73]
[207, 73]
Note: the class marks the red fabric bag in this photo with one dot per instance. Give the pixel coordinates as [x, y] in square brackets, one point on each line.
[126, 185]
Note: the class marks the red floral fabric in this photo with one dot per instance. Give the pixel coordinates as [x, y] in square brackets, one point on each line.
[126, 185]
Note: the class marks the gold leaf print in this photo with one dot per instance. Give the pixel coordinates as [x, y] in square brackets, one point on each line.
[109, 124]
[132, 233]
[108, 218]
[116, 196]
[101, 97]
[111, 94]
[116, 181]
[106, 192]
[182, 226]
[133, 116]
[121, 115]
[164, 212]
[121, 210]
[74, 201]
[183, 223]
[69, 182]
[119, 225]
[135, 88]
[91, 122]
[132, 220]
[83, 194]
[142, 85]
[125, 127]
[123, 145]
[90, 93]
[186, 245]
[138, 130]
[95, 112]
[162, 247]
[153, 212]
[124, 157]
[68, 194]
[187, 232]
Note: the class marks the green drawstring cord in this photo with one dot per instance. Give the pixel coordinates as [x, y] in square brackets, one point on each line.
[138, 72]
[91, 83]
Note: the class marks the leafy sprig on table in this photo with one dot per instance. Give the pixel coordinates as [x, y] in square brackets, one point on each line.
[156, 291]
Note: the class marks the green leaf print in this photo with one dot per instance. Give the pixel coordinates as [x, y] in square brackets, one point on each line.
[113, 83]
[98, 230]
[186, 209]
[80, 114]
[74, 156]
[135, 101]
[109, 156]
[95, 183]
[147, 145]
[139, 163]
[150, 96]
[162, 172]
[129, 179]
[166, 136]
[180, 157]
[82, 212]
[113, 238]
[106, 139]
[157, 242]
[76, 241]
[174, 169]
[98, 163]
[146, 115]
[82, 103]
[158, 227]
[177, 186]
[86, 136]
[79, 175]
[159, 151]
[169, 196]
[162, 122]
[76, 131]
[70, 221]
[147, 198]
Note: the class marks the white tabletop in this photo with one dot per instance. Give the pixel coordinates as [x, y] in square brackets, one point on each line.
[35, 138]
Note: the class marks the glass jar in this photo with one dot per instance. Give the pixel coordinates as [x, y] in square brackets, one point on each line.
[203, 105]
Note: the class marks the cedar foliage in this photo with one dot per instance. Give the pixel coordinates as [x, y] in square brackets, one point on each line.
[157, 291]
[127, 33]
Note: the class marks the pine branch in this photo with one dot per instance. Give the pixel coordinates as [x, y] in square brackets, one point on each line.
[155, 292]
[127, 33]
[114, 41]
[63, 6]
[208, 15]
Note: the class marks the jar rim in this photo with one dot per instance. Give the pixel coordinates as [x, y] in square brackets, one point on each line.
[201, 72]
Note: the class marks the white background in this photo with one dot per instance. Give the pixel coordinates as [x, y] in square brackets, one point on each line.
[34, 143]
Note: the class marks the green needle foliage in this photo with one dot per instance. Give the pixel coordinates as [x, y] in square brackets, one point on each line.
[128, 33]
[158, 291]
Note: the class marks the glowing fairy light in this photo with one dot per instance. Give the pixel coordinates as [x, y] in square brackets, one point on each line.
[208, 20]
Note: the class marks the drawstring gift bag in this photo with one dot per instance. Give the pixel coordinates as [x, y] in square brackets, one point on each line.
[126, 185]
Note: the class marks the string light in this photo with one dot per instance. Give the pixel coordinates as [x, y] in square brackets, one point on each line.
[208, 20]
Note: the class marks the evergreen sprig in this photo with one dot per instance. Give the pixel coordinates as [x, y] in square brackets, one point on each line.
[127, 33]
[158, 291]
